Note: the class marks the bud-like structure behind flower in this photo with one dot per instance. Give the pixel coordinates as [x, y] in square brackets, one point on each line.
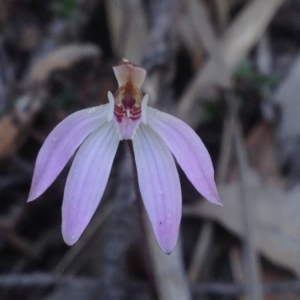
[128, 99]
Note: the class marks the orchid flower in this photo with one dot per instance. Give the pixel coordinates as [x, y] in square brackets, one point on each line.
[97, 132]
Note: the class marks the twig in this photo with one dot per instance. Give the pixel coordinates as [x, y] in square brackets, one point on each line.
[206, 35]
[253, 285]
[7, 74]
[236, 265]
[168, 270]
[161, 41]
[264, 59]
[188, 37]
[222, 289]
[199, 18]
[159, 54]
[120, 235]
[40, 279]
[226, 148]
[204, 242]
[234, 45]
[222, 8]
[128, 28]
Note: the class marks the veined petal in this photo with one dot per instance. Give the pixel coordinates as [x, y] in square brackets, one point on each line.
[189, 151]
[61, 144]
[159, 185]
[87, 181]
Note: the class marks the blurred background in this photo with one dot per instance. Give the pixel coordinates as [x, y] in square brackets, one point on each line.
[228, 68]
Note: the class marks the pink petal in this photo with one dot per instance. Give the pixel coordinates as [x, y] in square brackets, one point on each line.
[159, 185]
[61, 144]
[189, 151]
[127, 72]
[87, 181]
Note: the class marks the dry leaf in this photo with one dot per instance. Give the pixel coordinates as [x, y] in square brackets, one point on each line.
[276, 218]
[262, 153]
[61, 58]
[29, 104]
[8, 133]
[288, 130]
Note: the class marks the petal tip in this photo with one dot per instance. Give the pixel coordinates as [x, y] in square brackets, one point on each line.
[30, 199]
[68, 232]
[168, 248]
[215, 199]
[167, 243]
[70, 240]
[168, 251]
[33, 194]
[218, 201]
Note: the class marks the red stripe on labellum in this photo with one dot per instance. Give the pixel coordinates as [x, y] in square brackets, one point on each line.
[135, 118]
[119, 112]
[119, 109]
[136, 113]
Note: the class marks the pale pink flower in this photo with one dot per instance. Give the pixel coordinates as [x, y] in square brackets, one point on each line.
[97, 132]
